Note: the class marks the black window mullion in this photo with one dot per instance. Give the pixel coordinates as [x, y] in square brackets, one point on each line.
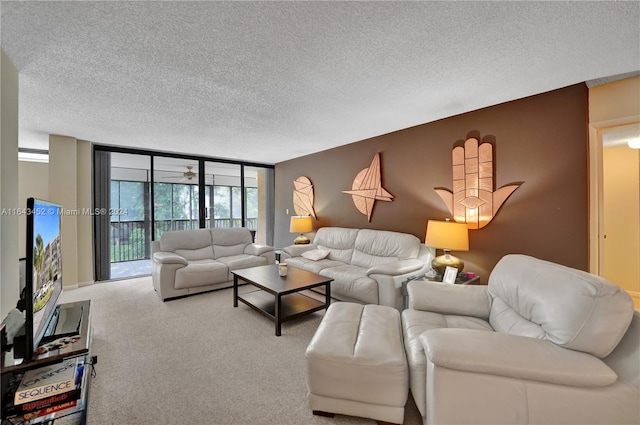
[243, 201]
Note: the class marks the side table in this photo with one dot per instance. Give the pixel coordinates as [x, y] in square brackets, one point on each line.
[459, 281]
[473, 281]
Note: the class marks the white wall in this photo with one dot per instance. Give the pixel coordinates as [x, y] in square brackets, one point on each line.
[621, 187]
[9, 276]
[32, 182]
[85, 221]
[62, 181]
[70, 186]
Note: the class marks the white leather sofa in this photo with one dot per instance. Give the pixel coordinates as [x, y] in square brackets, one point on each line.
[192, 261]
[542, 344]
[367, 266]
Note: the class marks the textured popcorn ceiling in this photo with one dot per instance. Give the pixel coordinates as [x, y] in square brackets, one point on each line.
[270, 81]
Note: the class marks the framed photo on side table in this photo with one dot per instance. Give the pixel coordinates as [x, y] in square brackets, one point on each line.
[450, 275]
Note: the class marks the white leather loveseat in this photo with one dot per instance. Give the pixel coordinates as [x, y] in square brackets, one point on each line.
[542, 344]
[367, 266]
[191, 261]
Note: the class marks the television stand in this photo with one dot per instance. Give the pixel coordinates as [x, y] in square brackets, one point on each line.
[79, 346]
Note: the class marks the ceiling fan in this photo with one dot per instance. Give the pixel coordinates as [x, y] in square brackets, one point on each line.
[187, 175]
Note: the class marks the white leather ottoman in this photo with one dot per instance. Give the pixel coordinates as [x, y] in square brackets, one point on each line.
[356, 364]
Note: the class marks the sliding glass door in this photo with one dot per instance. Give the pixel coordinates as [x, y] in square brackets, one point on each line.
[236, 196]
[223, 203]
[123, 237]
[176, 195]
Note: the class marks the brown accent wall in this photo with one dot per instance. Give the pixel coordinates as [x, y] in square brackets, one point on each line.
[539, 141]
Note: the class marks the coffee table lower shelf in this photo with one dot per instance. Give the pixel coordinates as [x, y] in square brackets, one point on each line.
[291, 305]
[279, 297]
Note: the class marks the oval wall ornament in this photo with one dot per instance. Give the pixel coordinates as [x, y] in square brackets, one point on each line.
[303, 197]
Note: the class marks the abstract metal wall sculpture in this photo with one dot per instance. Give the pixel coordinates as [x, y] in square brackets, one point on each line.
[367, 188]
[303, 197]
[473, 200]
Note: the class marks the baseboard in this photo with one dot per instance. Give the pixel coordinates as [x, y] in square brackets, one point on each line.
[79, 285]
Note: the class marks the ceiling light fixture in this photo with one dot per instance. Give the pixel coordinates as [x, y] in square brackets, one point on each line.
[33, 155]
[634, 143]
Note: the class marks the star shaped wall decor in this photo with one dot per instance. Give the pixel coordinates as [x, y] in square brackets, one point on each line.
[367, 188]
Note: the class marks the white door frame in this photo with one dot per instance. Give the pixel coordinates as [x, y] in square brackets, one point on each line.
[596, 204]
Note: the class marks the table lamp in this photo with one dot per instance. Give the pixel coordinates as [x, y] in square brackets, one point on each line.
[448, 236]
[301, 224]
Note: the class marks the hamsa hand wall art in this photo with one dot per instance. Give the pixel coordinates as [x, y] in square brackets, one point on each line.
[367, 188]
[473, 200]
[303, 197]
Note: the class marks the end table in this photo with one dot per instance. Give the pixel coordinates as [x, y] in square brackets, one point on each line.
[475, 280]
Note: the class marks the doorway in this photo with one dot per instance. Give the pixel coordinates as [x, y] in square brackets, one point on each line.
[129, 223]
[615, 206]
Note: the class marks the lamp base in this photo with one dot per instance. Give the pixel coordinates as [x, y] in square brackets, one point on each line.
[439, 264]
[301, 240]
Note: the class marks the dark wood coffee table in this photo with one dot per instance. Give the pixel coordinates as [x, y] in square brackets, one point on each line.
[278, 297]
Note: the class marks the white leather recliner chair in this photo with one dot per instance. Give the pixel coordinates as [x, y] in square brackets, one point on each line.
[542, 344]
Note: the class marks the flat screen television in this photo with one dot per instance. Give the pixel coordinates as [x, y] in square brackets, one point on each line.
[43, 270]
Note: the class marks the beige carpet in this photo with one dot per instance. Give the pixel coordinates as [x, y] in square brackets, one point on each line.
[197, 360]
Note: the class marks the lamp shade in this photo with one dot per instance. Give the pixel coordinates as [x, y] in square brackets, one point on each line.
[300, 224]
[447, 235]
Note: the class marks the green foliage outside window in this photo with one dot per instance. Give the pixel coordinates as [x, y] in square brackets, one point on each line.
[175, 208]
[128, 198]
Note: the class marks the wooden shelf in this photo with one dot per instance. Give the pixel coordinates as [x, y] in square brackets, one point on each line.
[13, 364]
[81, 348]
[292, 305]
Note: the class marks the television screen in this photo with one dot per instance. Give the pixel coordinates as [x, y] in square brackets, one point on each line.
[43, 268]
[22, 269]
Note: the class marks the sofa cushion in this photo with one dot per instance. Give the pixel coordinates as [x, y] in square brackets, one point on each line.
[414, 323]
[230, 241]
[339, 241]
[312, 266]
[204, 253]
[242, 261]
[190, 244]
[201, 273]
[566, 306]
[352, 282]
[373, 247]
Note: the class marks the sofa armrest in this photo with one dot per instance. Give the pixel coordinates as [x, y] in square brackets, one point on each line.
[297, 250]
[514, 356]
[164, 257]
[396, 268]
[255, 249]
[155, 247]
[464, 300]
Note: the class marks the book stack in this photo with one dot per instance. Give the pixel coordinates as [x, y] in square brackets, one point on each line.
[48, 389]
